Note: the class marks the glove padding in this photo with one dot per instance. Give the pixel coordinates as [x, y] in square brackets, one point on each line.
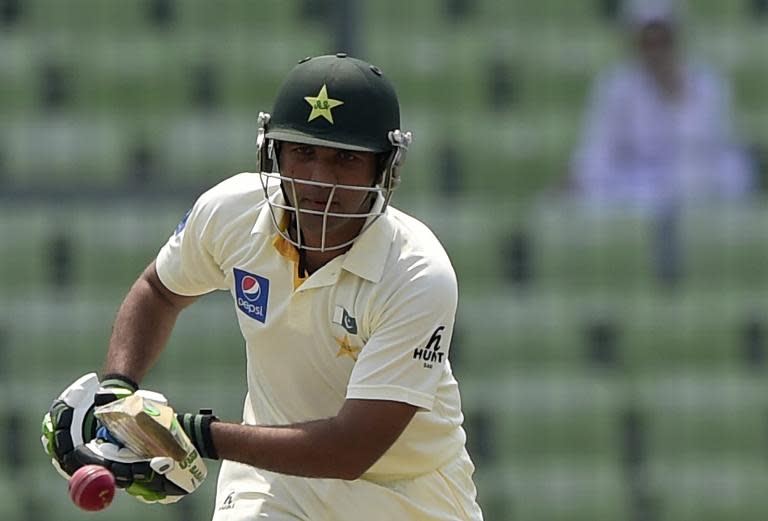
[154, 480]
[70, 422]
[73, 437]
[158, 479]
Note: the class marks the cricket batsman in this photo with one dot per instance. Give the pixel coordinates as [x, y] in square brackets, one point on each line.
[346, 305]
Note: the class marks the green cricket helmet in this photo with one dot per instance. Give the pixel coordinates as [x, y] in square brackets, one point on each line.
[340, 102]
[336, 101]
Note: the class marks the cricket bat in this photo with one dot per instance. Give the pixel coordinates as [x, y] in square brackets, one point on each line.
[147, 427]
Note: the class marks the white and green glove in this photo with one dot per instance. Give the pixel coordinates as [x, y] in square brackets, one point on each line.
[70, 423]
[150, 480]
[72, 437]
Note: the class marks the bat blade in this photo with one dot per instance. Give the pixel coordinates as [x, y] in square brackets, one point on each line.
[147, 427]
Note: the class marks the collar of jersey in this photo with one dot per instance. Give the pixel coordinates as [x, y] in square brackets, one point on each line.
[368, 254]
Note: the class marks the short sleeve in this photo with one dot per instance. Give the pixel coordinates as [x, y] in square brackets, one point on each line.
[407, 353]
[186, 264]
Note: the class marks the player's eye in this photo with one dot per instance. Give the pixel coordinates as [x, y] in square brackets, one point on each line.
[346, 156]
[304, 150]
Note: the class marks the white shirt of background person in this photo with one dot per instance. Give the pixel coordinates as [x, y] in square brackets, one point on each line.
[658, 130]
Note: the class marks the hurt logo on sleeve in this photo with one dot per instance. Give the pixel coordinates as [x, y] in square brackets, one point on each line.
[229, 502]
[431, 354]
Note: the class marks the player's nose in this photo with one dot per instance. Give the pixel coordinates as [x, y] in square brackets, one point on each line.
[323, 171]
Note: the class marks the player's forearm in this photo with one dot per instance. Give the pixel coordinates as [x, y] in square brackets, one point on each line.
[142, 327]
[314, 449]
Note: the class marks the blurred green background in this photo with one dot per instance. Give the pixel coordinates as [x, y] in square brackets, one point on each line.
[595, 386]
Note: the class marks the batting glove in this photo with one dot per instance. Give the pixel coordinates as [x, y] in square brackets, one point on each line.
[70, 422]
[154, 479]
[198, 429]
[150, 480]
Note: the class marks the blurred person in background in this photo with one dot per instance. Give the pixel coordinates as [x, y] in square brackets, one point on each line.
[658, 133]
[658, 136]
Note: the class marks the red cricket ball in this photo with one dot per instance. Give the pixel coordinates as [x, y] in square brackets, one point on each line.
[92, 487]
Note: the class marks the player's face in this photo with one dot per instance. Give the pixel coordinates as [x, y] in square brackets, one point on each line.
[333, 166]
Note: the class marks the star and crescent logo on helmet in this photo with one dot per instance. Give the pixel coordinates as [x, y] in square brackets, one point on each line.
[322, 105]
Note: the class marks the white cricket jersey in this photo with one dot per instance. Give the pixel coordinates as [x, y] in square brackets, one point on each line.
[373, 323]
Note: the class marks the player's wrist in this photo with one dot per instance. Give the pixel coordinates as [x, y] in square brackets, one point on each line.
[198, 429]
[119, 380]
[114, 386]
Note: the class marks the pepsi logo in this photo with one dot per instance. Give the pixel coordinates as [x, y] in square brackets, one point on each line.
[251, 294]
[251, 288]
